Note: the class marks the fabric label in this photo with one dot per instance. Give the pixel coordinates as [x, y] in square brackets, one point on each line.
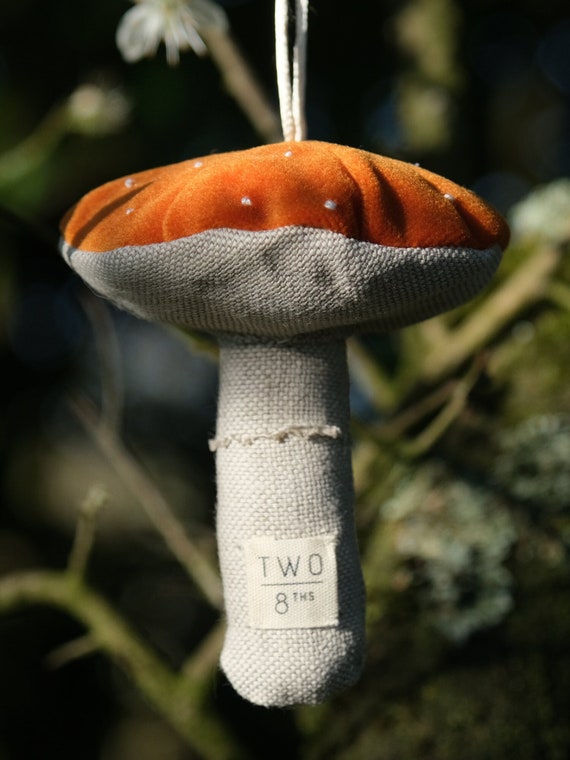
[292, 583]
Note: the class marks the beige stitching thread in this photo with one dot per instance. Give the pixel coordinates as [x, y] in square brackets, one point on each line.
[297, 431]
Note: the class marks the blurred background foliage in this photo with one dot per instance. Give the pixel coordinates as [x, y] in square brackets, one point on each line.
[461, 424]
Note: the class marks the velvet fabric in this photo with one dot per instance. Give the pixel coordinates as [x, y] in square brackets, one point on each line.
[311, 184]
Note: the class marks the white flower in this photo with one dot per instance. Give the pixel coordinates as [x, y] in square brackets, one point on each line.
[177, 23]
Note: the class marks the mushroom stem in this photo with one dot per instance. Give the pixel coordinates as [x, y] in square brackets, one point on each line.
[288, 552]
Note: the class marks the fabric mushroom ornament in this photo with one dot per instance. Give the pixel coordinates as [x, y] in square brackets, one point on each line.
[282, 251]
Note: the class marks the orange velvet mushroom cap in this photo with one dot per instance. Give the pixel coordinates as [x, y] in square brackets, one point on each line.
[284, 240]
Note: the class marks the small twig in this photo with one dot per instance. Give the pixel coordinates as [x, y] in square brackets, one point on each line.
[108, 354]
[154, 504]
[375, 381]
[414, 414]
[104, 432]
[73, 650]
[452, 396]
[204, 660]
[32, 151]
[203, 345]
[242, 83]
[441, 423]
[85, 531]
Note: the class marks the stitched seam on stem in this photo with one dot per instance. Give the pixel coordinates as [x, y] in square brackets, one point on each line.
[296, 431]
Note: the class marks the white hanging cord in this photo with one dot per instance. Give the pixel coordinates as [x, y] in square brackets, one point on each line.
[291, 77]
[300, 67]
[283, 70]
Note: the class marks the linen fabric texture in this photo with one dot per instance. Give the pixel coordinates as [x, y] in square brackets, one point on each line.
[285, 282]
[287, 487]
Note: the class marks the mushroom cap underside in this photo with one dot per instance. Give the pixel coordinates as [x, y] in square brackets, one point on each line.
[361, 195]
[285, 283]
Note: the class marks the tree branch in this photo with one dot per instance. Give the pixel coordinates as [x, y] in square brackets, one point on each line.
[190, 556]
[527, 285]
[242, 84]
[178, 697]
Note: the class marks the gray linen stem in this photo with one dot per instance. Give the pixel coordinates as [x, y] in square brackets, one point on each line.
[284, 472]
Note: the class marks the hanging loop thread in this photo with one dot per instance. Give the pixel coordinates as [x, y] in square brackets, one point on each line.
[291, 62]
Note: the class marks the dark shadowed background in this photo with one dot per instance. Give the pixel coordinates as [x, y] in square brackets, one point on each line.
[462, 464]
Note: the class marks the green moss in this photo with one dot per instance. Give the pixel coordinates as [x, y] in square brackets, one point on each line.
[504, 692]
[490, 701]
[452, 537]
[533, 463]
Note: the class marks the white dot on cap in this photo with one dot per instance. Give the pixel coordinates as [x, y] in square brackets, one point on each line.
[331, 205]
[197, 164]
[288, 153]
[245, 201]
[449, 196]
[129, 182]
[129, 211]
